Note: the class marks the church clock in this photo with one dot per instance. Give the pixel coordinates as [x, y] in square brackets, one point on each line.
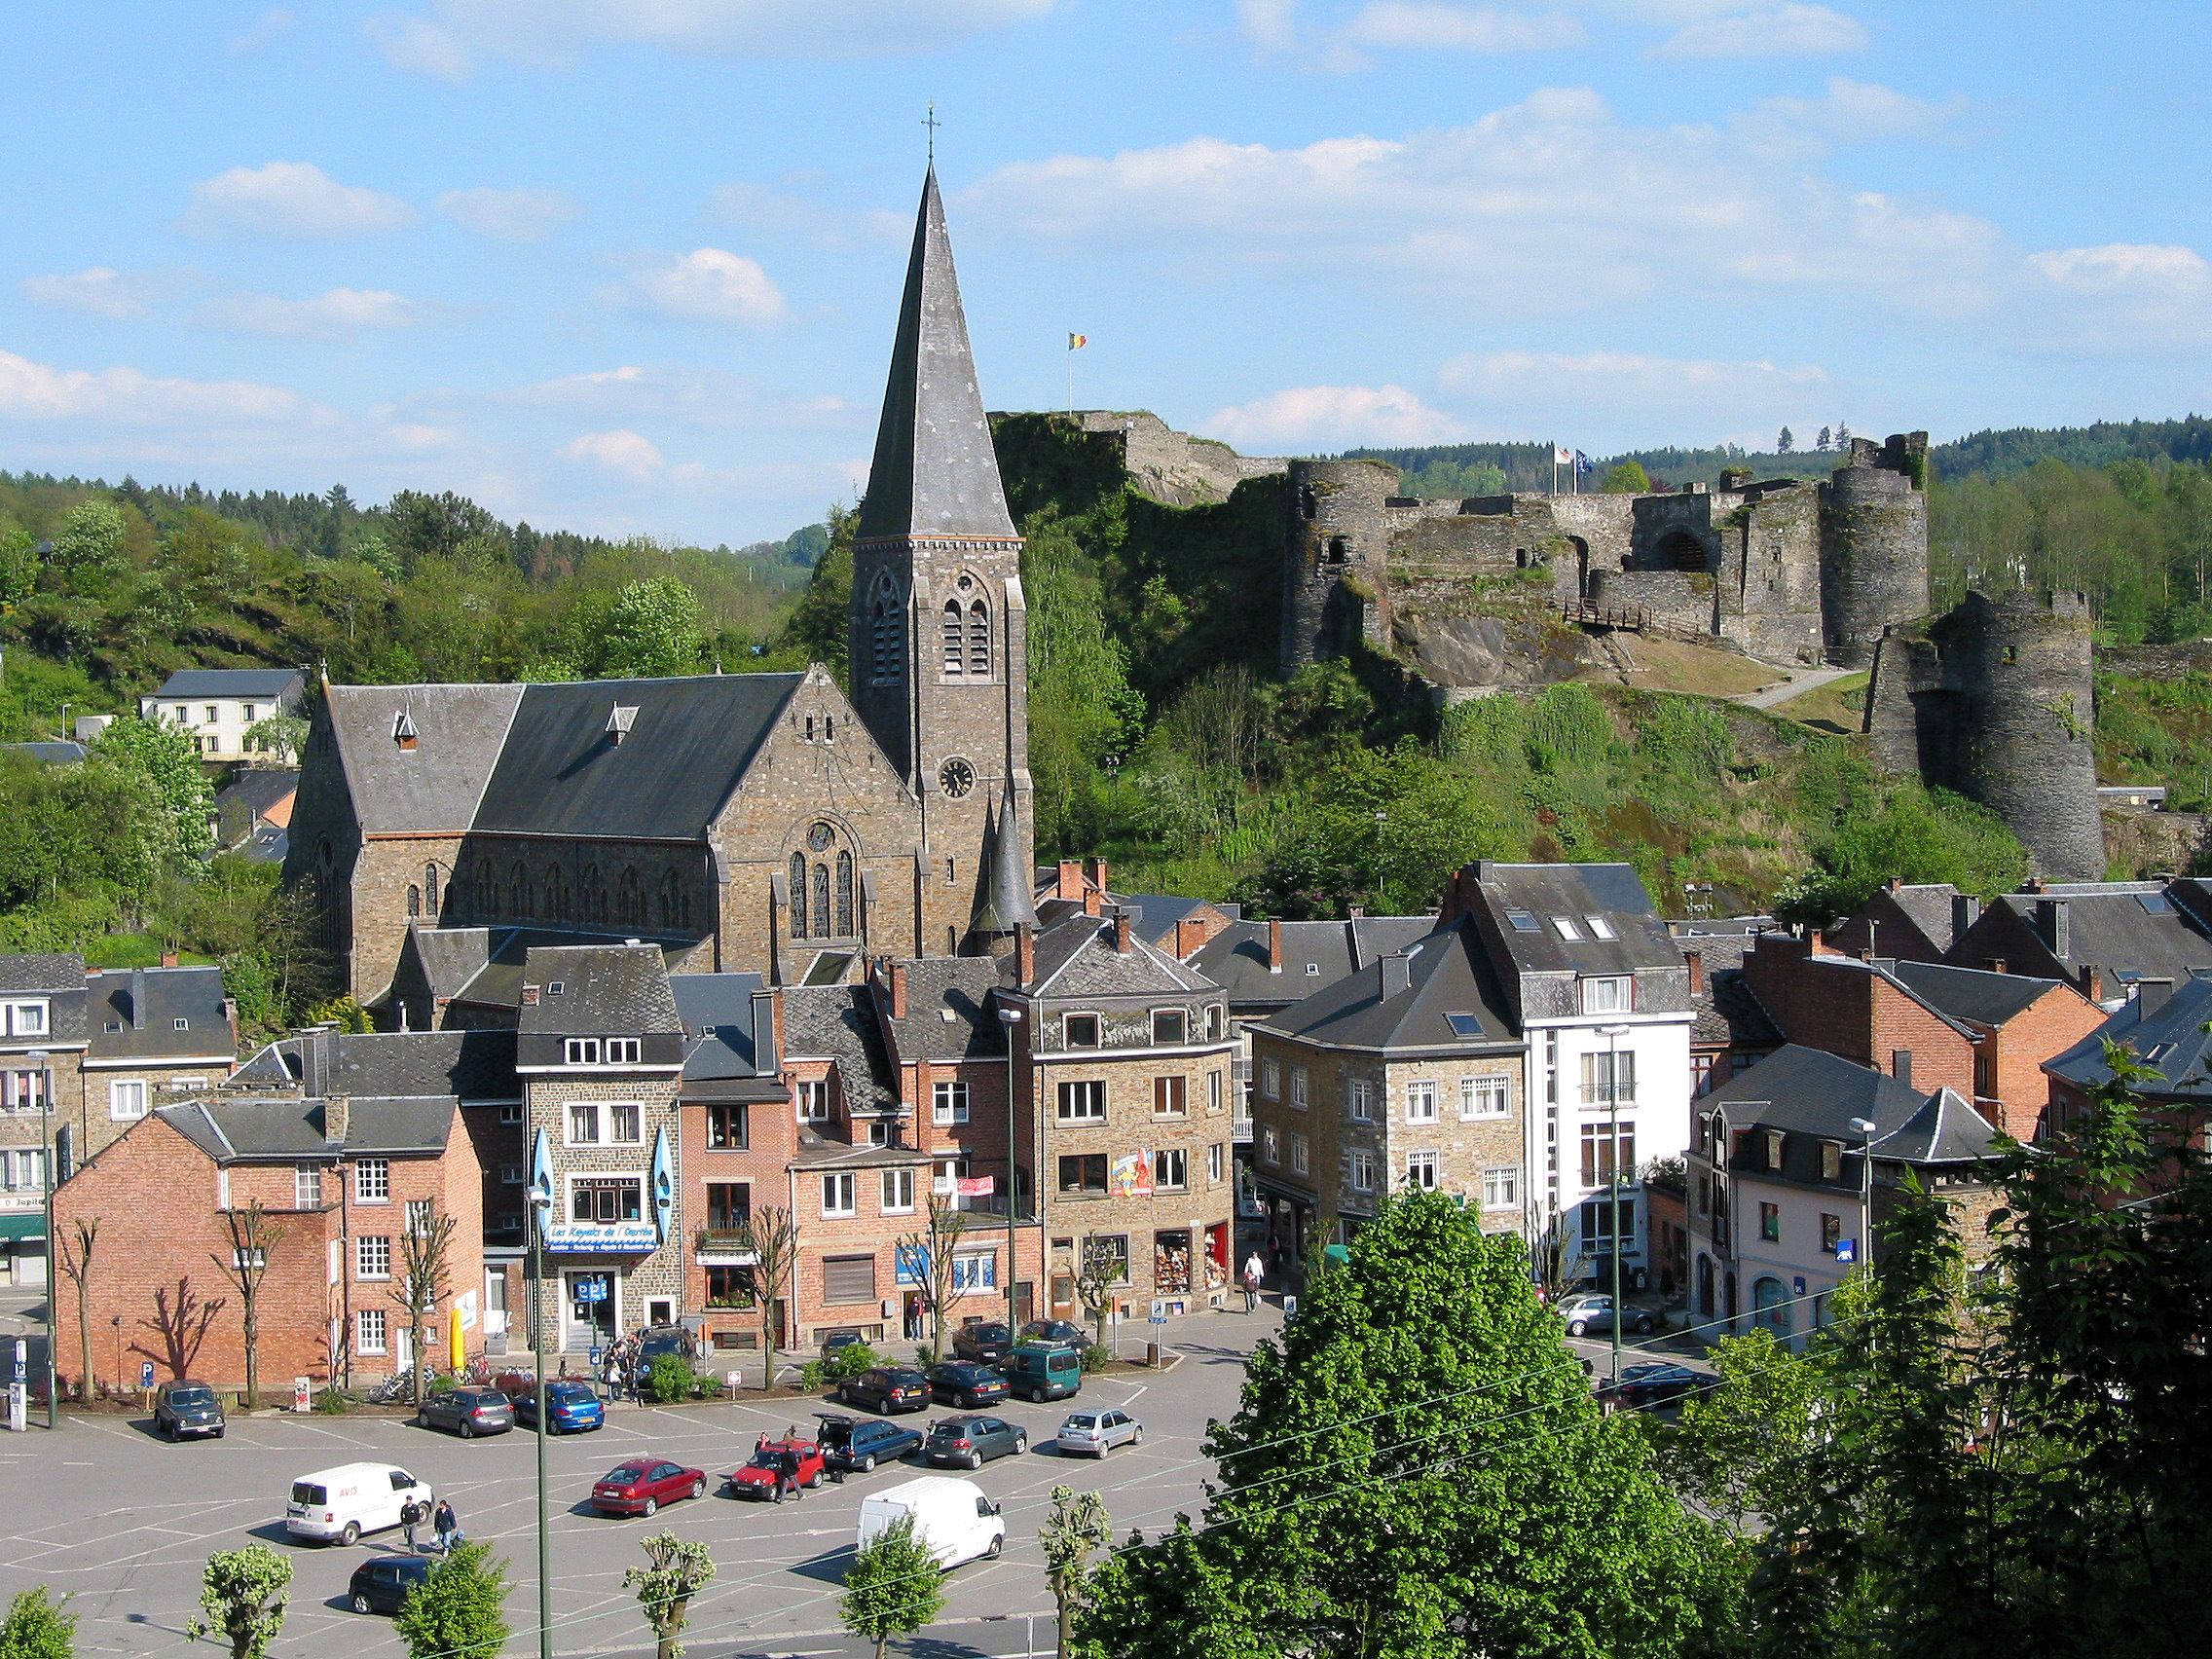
[956, 777]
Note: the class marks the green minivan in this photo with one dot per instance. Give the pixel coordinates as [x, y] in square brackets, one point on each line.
[1043, 1371]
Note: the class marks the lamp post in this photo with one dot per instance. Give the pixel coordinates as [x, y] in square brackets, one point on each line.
[38, 1058]
[1865, 1128]
[1008, 1018]
[1613, 1035]
[540, 1207]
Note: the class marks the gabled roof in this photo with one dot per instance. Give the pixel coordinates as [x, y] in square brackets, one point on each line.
[1237, 958]
[939, 985]
[437, 784]
[259, 790]
[934, 473]
[603, 987]
[1930, 907]
[718, 1015]
[2127, 928]
[559, 772]
[1727, 1010]
[468, 1065]
[838, 1023]
[54, 752]
[1946, 1130]
[1546, 893]
[1077, 958]
[1810, 1091]
[1972, 993]
[231, 682]
[133, 1013]
[1451, 1000]
[246, 1128]
[2172, 1042]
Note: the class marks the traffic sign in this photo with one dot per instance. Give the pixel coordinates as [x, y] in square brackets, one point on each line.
[1289, 1307]
[1159, 1313]
[1847, 1250]
[146, 1375]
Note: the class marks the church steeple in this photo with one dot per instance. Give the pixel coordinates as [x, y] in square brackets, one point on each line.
[934, 472]
[1005, 902]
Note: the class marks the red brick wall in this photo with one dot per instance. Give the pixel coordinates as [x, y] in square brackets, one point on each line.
[2042, 1031]
[1855, 1013]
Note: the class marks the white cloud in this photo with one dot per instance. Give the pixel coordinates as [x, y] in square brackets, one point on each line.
[709, 284]
[550, 34]
[1428, 23]
[762, 211]
[696, 397]
[1612, 398]
[2125, 298]
[271, 23]
[1270, 25]
[327, 316]
[289, 199]
[622, 452]
[101, 291]
[525, 214]
[1848, 112]
[1791, 30]
[1331, 417]
[38, 391]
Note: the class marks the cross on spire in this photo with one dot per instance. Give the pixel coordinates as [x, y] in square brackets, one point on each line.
[931, 122]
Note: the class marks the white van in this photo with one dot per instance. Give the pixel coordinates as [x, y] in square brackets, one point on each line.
[338, 1505]
[951, 1516]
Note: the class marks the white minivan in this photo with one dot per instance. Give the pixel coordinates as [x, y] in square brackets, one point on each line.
[338, 1505]
[952, 1517]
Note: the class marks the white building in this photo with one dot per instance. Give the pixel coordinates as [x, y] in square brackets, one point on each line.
[219, 706]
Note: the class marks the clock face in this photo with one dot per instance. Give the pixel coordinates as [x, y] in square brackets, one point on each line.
[819, 837]
[956, 777]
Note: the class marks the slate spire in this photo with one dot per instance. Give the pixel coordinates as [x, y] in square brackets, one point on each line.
[1005, 900]
[934, 472]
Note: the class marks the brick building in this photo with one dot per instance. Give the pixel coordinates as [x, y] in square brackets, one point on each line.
[2169, 1033]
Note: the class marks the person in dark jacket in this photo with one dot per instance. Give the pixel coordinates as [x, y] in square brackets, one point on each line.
[787, 1476]
[448, 1524]
[411, 1516]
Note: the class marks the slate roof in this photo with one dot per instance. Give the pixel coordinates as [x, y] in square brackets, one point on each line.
[603, 987]
[194, 995]
[1077, 958]
[717, 1011]
[959, 986]
[2172, 1042]
[59, 752]
[259, 790]
[437, 784]
[1450, 972]
[50, 971]
[836, 1024]
[934, 473]
[2124, 928]
[558, 773]
[235, 1128]
[1929, 904]
[1971, 993]
[231, 682]
[1812, 1092]
[468, 1065]
[1237, 958]
[1576, 892]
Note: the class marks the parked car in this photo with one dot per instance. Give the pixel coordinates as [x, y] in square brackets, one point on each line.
[963, 1383]
[643, 1484]
[757, 1477]
[187, 1407]
[856, 1444]
[1642, 1386]
[571, 1407]
[973, 1441]
[1055, 1331]
[379, 1586]
[1587, 1313]
[887, 1388]
[952, 1517]
[984, 1344]
[837, 1342]
[468, 1412]
[1043, 1371]
[656, 1339]
[338, 1505]
[1098, 1433]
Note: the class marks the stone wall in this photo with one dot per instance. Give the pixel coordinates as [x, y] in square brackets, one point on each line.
[1335, 560]
[1874, 546]
[1173, 466]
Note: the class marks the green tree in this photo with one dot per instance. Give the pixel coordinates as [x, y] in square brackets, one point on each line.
[1627, 478]
[37, 1627]
[88, 551]
[459, 1611]
[680, 1568]
[241, 1596]
[652, 632]
[18, 565]
[282, 737]
[893, 1587]
[1740, 1452]
[164, 759]
[1077, 1529]
[818, 627]
[1419, 1469]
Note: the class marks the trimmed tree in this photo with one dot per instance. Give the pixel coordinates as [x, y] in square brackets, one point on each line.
[37, 1627]
[1419, 1468]
[680, 1568]
[252, 1237]
[893, 1587]
[1099, 1276]
[938, 1249]
[1076, 1529]
[77, 1268]
[241, 1594]
[459, 1611]
[772, 1236]
[426, 1247]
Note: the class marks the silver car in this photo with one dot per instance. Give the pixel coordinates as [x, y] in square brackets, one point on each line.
[1098, 1433]
[1591, 1313]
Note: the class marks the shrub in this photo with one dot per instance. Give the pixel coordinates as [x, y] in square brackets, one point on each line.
[669, 1379]
[332, 1402]
[36, 1627]
[1095, 1358]
[846, 1363]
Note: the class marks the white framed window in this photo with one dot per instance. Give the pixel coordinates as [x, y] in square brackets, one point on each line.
[1301, 1154]
[306, 1187]
[125, 1100]
[1608, 994]
[606, 1122]
[22, 1091]
[603, 1201]
[1420, 1101]
[370, 1331]
[1271, 1080]
[625, 1123]
[1271, 1146]
[1363, 1172]
[372, 1256]
[421, 1215]
[513, 1113]
[1079, 1030]
[898, 1192]
[972, 1272]
[1170, 1026]
[1217, 1158]
[948, 1103]
[1082, 1102]
[1421, 1171]
[624, 1050]
[580, 1051]
[1599, 927]
[1169, 1097]
[1360, 1093]
[24, 1170]
[1213, 1091]
[880, 1132]
[1501, 1187]
[837, 1194]
[1298, 1081]
[372, 1181]
[1171, 1167]
[26, 1019]
[813, 1095]
[945, 1176]
[583, 1122]
[1602, 1073]
[1486, 1097]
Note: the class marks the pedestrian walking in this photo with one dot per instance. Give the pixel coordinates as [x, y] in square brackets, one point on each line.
[411, 1516]
[1253, 1275]
[761, 1445]
[448, 1526]
[787, 1476]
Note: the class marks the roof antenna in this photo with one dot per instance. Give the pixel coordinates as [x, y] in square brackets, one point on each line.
[931, 122]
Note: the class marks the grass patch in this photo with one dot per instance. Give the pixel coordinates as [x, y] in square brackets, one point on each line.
[132, 951]
[1675, 665]
[1840, 705]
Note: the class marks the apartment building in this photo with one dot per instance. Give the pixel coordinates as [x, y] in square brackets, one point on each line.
[219, 706]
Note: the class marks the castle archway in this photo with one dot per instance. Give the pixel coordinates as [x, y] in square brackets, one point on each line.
[1679, 550]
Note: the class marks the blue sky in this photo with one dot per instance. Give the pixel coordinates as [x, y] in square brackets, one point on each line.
[630, 266]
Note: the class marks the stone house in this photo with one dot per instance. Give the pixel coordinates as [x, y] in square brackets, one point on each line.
[43, 1040]
[1408, 1073]
[153, 1035]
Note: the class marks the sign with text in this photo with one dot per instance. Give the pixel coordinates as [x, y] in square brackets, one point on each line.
[1131, 1176]
[975, 1186]
[611, 1238]
[913, 1265]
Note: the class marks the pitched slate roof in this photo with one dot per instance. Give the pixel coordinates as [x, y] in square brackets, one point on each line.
[1930, 906]
[1077, 958]
[142, 1006]
[838, 1023]
[437, 784]
[1810, 1091]
[258, 789]
[231, 682]
[937, 985]
[61, 753]
[1727, 1010]
[603, 987]
[43, 971]
[1237, 958]
[1971, 993]
[2129, 928]
[717, 1011]
[1577, 892]
[2171, 1041]
[470, 1065]
[558, 773]
[1448, 974]
[934, 473]
[231, 1129]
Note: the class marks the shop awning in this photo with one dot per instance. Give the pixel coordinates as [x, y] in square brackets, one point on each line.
[31, 1226]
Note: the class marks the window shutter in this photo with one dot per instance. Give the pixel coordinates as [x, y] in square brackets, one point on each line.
[848, 1278]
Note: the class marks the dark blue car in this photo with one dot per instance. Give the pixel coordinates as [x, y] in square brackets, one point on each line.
[571, 1408]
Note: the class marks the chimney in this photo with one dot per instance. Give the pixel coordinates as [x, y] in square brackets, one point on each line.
[2151, 996]
[898, 990]
[1095, 870]
[1094, 900]
[336, 1119]
[925, 1089]
[1024, 954]
[2051, 926]
[764, 1052]
[2033, 884]
[137, 999]
[1121, 931]
[1357, 913]
[776, 1024]
[1274, 944]
[1900, 1065]
[1867, 954]
[168, 959]
[1816, 942]
[1069, 884]
[1897, 883]
[1694, 960]
[2090, 978]
[1397, 973]
[1966, 910]
[1190, 935]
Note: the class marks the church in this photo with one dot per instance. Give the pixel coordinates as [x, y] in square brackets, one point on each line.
[757, 822]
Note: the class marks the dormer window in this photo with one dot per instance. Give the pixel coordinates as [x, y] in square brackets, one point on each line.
[580, 1051]
[1565, 928]
[403, 729]
[619, 722]
[1600, 928]
[1522, 921]
[26, 1019]
[1611, 994]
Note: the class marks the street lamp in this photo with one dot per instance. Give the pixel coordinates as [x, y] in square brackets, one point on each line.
[1865, 1128]
[38, 1057]
[1613, 1035]
[540, 1209]
[1008, 1018]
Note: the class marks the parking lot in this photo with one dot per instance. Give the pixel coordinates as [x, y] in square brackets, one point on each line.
[126, 1521]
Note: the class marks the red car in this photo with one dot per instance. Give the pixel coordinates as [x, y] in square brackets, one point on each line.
[758, 1477]
[642, 1486]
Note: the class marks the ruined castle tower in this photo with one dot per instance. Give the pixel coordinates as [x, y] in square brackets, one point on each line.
[1335, 584]
[1995, 700]
[1874, 546]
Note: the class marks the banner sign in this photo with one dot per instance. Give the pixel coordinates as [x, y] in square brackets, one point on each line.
[1131, 1176]
[613, 1239]
[913, 1265]
[975, 1186]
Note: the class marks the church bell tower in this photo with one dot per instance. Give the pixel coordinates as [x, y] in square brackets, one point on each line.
[938, 628]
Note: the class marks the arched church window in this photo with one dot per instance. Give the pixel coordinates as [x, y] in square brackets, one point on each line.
[954, 657]
[799, 896]
[845, 927]
[430, 888]
[518, 891]
[591, 896]
[629, 899]
[821, 918]
[556, 895]
[671, 902]
[887, 627]
[414, 900]
[979, 639]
